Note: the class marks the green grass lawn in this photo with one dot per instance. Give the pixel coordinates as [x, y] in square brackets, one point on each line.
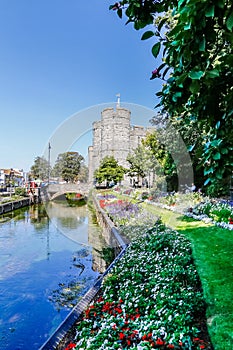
[212, 251]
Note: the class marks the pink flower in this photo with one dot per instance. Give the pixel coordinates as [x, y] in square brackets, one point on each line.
[155, 74]
[116, 6]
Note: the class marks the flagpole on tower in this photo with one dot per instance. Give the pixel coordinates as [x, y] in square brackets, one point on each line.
[118, 100]
[49, 148]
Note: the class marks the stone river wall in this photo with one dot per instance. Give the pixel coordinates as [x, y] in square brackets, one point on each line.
[64, 334]
[7, 207]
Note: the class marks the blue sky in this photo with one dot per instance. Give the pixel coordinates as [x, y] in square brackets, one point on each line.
[58, 57]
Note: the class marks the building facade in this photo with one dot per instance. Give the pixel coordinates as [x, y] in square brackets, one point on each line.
[114, 135]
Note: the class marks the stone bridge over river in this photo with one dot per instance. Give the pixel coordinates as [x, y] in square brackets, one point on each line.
[54, 191]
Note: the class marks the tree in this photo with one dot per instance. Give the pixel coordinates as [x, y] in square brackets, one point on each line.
[197, 69]
[109, 170]
[143, 163]
[138, 161]
[40, 168]
[83, 173]
[68, 165]
[164, 158]
[190, 133]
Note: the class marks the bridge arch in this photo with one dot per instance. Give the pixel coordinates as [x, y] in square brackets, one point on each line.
[54, 191]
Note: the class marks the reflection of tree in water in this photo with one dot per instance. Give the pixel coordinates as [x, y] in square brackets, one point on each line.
[17, 215]
[71, 222]
[38, 216]
[69, 292]
[66, 216]
[108, 254]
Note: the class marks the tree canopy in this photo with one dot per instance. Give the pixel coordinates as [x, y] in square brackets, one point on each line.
[67, 166]
[109, 170]
[40, 168]
[196, 40]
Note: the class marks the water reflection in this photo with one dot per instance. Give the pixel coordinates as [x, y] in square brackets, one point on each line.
[46, 265]
[70, 221]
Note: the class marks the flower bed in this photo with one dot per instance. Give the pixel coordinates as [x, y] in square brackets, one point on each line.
[151, 299]
[216, 212]
[130, 218]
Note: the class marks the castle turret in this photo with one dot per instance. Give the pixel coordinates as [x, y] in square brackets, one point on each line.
[114, 136]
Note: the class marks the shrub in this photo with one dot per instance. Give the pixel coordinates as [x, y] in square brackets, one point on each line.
[20, 191]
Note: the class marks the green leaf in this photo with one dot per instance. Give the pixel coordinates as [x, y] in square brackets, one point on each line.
[162, 66]
[119, 12]
[217, 156]
[196, 74]
[155, 49]
[202, 44]
[219, 174]
[207, 181]
[210, 11]
[181, 79]
[176, 95]
[180, 3]
[208, 171]
[161, 23]
[187, 26]
[147, 35]
[220, 3]
[165, 71]
[224, 151]
[170, 80]
[190, 148]
[175, 42]
[217, 125]
[229, 22]
[194, 87]
[212, 73]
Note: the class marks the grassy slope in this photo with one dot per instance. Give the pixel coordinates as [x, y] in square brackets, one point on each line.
[212, 250]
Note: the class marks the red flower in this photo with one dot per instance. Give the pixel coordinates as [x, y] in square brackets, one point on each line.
[121, 336]
[144, 337]
[170, 346]
[70, 346]
[118, 310]
[128, 342]
[196, 339]
[159, 341]
[202, 346]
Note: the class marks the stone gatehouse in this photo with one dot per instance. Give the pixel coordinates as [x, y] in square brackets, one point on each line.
[114, 135]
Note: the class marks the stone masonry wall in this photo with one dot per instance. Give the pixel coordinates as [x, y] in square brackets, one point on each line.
[114, 136]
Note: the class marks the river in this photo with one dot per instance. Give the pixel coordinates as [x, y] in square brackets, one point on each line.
[49, 258]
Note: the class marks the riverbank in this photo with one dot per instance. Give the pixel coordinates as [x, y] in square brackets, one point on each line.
[62, 336]
[12, 205]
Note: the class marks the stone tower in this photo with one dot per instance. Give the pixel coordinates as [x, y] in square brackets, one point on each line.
[113, 136]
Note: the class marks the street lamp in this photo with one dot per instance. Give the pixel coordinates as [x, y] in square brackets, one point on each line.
[49, 162]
